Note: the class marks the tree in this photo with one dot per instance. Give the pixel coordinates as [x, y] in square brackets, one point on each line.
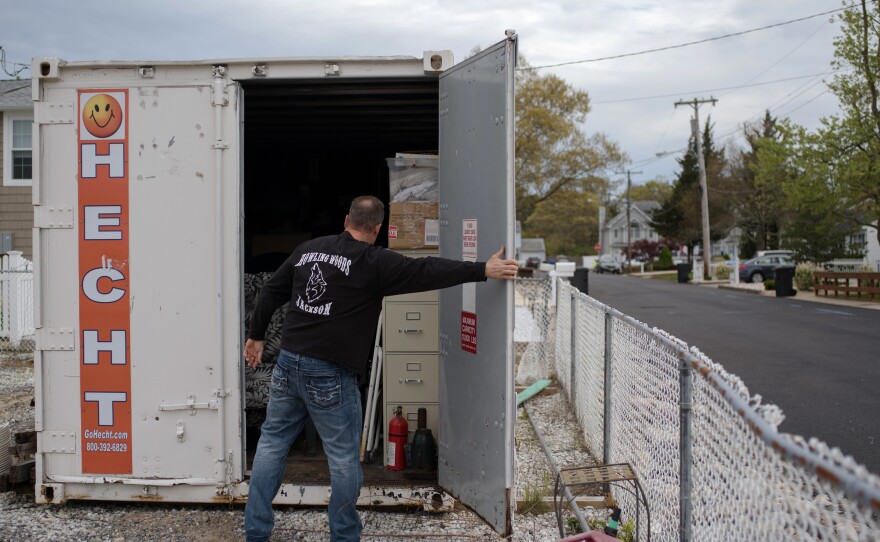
[817, 221]
[554, 156]
[679, 218]
[757, 195]
[850, 143]
[653, 190]
[568, 222]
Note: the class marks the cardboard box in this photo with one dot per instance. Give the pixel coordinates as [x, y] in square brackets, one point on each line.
[413, 225]
[412, 177]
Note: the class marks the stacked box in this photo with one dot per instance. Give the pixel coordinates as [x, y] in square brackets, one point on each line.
[414, 208]
[413, 225]
[412, 177]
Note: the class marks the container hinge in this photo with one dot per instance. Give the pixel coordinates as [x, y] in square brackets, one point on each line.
[58, 442]
[219, 93]
[48, 217]
[332, 70]
[192, 405]
[54, 339]
[219, 393]
[53, 112]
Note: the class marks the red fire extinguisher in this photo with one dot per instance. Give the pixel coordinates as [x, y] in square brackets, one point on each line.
[397, 431]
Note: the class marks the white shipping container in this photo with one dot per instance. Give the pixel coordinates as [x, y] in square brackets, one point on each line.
[159, 185]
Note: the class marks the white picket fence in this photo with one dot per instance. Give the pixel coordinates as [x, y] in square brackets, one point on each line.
[16, 302]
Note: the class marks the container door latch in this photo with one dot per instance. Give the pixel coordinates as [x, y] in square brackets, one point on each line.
[192, 405]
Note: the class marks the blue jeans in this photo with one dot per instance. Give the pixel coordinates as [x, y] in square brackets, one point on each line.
[306, 387]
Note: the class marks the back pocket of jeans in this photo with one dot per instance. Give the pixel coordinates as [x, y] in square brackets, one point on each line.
[279, 380]
[324, 391]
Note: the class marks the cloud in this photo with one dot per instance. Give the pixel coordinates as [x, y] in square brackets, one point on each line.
[550, 32]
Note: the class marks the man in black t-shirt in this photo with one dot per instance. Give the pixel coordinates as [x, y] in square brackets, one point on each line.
[335, 285]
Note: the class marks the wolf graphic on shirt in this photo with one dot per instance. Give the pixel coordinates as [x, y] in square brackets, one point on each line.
[316, 286]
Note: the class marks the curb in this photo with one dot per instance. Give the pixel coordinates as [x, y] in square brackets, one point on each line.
[744, 290]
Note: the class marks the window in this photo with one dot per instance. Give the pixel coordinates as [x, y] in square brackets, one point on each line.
[858, 241]
[636, 232]
[17, 149]
[616, 232]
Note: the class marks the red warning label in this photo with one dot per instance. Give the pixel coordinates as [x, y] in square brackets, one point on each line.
[469, 332]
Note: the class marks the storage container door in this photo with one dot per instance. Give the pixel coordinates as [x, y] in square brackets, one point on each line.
[139, 331]
[477, 399]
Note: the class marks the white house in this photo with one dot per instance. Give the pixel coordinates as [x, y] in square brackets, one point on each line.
[868, 239]
[532, 247]
[614, 238]
[16, 209]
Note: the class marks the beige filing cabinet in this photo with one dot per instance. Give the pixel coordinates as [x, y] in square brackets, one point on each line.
[410, 376]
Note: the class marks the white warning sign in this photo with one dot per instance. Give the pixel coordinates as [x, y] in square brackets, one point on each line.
[469, 239]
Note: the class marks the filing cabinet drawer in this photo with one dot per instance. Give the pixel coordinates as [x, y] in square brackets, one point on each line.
[411, 378]
[431, 296]
[411, 327]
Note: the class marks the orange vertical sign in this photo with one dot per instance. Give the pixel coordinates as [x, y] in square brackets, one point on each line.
[104, 275]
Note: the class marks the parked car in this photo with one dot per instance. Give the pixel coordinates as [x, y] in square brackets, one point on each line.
[761, 269]
[608, 264]
[533, 262]
[775, 252]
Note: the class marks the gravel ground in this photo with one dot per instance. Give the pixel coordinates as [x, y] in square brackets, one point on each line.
[21, 520]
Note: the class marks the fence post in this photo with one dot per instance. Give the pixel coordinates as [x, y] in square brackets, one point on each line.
[16, 303]
[606, 429]
[684, 447]
[573, 333]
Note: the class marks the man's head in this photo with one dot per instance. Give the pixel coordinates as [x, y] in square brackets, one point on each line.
[365, 217]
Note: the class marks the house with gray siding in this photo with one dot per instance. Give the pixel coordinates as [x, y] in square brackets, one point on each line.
[614, 235]
[16, 208]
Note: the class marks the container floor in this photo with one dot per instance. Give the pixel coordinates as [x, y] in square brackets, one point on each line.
[313, 470]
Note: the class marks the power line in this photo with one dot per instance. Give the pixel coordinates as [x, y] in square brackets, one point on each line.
[712, 89]
[786, 55]
[3, 64]
[668, 123]
[814, 98]
[680, 45]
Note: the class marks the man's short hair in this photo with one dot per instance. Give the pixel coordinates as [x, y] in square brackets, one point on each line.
[366, 212]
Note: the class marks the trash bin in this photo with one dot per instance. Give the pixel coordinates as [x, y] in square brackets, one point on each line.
[580, 280]
[683, 270]
[784, 280]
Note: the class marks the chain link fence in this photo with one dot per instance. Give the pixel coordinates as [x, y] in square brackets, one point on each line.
[16, 303]
[707, 452]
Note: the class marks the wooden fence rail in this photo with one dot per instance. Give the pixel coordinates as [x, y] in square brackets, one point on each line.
[862, 285]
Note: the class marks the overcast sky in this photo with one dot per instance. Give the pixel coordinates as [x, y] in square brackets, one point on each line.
[632, 97]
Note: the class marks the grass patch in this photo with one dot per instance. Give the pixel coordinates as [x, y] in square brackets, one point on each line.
[665, 276]
[533, 502]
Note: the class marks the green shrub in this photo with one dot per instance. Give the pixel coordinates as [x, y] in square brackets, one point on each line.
[722, 272]
[803, 276]
[770, 284]
[665, 258]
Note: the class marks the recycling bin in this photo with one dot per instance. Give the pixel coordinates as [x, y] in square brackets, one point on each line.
[784, 280]
[683, 270]
[580, 280]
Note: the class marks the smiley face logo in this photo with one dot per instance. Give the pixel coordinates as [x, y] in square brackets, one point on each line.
[102, 115]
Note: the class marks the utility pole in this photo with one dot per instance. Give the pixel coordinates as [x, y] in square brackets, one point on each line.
[628, 220]
[704, 200]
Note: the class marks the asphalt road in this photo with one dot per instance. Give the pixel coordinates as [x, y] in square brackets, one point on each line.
[820, 363]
